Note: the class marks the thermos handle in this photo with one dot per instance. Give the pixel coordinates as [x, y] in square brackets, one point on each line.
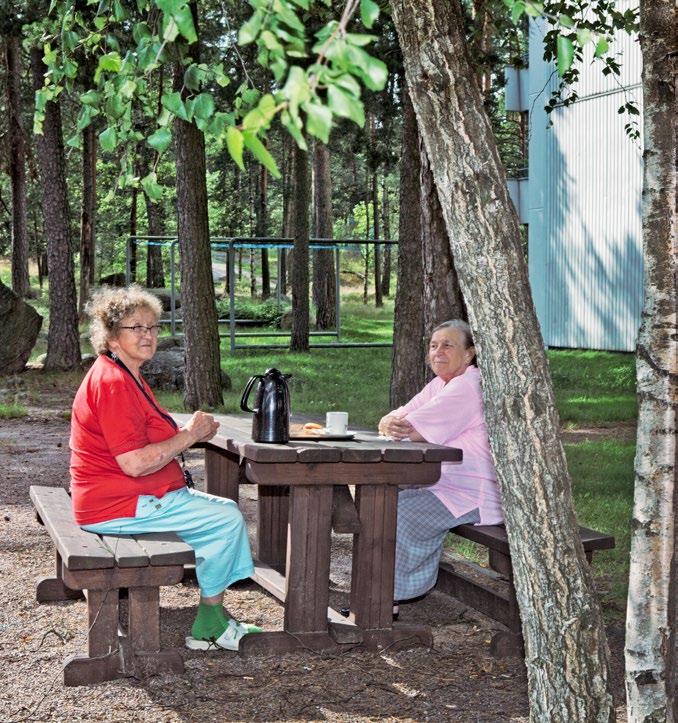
[246, 393]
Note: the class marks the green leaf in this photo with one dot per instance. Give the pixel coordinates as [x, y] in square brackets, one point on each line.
[602, 47]
[270, 41]
[318, 121]
[261, 116]
[140, 32]
[369, 12]
[100, 22]
[160, 139]
[294, 129]
[108, 139]
[235, 144]
[250, 30]
[174, 104]
[372, 70]
[110, 62]
[583, 37]
[91, 97]
[151, 187]
[565, 54]
[517, 11]
[296, 89]
[170, 29]
[183, 17]
[359, 39]
[534, 10]
[345, 105]
[260, 152]
[566, 21]
[127, 89]
[203, 106]
[85, 117]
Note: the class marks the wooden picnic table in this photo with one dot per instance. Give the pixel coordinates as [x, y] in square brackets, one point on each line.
[303, 495]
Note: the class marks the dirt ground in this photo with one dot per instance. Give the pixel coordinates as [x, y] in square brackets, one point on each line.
[456, 680]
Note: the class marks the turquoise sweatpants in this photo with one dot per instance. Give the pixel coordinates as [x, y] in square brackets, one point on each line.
[213, 526]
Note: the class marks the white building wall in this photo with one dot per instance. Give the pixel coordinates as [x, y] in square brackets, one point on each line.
[583, 206]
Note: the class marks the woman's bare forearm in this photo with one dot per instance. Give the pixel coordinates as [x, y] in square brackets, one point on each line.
[155, 456]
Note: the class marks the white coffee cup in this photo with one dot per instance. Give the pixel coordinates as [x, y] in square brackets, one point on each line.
[336, 422]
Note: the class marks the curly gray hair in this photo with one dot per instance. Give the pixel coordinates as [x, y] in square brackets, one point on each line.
[109, 306]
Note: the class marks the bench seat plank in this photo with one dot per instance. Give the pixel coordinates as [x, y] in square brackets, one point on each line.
[494, 537]
[165, 548]
[127, 551]
[79, 550]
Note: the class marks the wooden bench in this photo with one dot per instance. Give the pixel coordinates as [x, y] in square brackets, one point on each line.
[97, 567]
[491, 591]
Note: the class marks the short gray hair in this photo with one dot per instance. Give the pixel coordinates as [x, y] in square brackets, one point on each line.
[109, 306]
[459, 325]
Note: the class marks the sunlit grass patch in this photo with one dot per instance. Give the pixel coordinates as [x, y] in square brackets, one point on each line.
[12, 411]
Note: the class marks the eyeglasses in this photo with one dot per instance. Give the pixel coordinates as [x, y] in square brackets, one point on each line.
[140, 329]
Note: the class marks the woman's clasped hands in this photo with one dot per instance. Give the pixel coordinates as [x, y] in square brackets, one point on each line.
[396, 427]
[202, 426]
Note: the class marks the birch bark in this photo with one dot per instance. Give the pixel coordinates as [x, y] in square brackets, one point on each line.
[566, 653]
[651, 613]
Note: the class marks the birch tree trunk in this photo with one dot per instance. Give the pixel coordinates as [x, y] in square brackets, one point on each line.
[651, 613]
[63, 340]
[17, 168]
[566, 653]
[408, 366]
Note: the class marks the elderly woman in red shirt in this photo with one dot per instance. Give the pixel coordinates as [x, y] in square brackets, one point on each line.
[125, 478]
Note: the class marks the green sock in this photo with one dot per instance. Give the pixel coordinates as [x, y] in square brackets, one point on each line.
[210, 622]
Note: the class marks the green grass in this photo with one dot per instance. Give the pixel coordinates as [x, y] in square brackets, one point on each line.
[594, 388]
[12, 411]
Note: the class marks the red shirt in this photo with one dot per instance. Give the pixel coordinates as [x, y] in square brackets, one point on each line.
[111, 416]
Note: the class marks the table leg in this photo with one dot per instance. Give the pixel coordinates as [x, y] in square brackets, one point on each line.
[222, 474]
[308, 559]
[374, 556]
[272, 517]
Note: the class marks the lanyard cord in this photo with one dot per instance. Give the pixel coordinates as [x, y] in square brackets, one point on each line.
[116, 360]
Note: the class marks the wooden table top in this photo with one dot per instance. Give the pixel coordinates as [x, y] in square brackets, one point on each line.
[235, 436]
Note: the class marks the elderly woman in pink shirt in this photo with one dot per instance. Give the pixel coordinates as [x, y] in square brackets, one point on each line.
[449, 411]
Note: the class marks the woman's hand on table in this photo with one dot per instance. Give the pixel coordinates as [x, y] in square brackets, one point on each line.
[396, 427]
[202, 426]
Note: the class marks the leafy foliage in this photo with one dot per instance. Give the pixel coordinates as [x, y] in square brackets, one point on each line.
[574, 25]
[316, 76]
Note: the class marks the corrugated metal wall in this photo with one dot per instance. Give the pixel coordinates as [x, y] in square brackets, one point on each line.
[585, 180]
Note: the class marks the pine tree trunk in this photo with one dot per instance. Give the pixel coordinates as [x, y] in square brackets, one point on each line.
[566, 652]
[17, 168]
[366, 276]
[386, 225]
[378, 301]
[155, 217]
[63, 342]
[651, 614]
[88, 210]
[133, 246]
[408, 366]
[324, 277]
[201, 332]
[442, 295]
[261, 230]
[299, 271]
